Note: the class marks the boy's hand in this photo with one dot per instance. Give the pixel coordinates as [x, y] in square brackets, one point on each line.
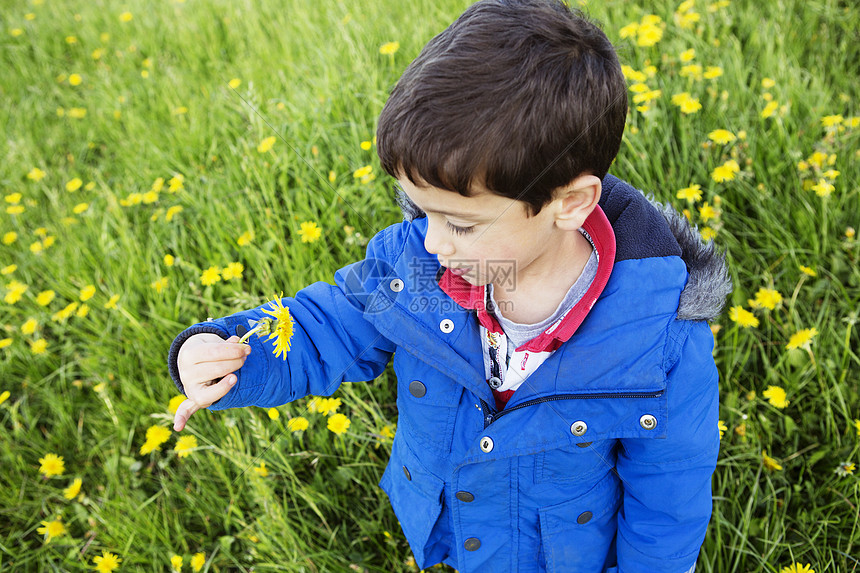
[206, 363]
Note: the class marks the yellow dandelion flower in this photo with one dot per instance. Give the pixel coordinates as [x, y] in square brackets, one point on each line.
[721, 136]
[74, 489]
[159, 285]
[807, 271]
[776, 396]
[65, 313]
[35, 174]
[184, 445]
[234, 83]
[176, 183]
[801, 339]
[75, 79]
[15, 32]
[332, 176]
[52, 465]
[210, 276]
[309, 232]
[338, 424]
[629, 30]
[112, 302]
[172, 212]
[155, 436]
[649, 32]
[721, 426]
[176, 562]
[282, 330]
[82, 311]
[798, 568]
[198, 560]
[233, 271]
[823, 188]
[125, 17]
[831, 120]
[742, 317]
[857, 427]
[300, 424]
[15, 209]
[708, 234]
[769, 109]
[29, 327]
[174, 403]
[169, 260]
[45, 297]
[8, 270]
[726, 171]
[74, 184]
[329, 406]
[266, 144]
[713, 72]
[87, 292]
[707, 212]
[769, 463]
[389, 48]
[692, 193]
[10, 237]
[5, 394]
[106, 562]
[80, 208]
[365, 145]
[273, 413]
[245, 238]
[768, 298]
[362, 171]
[688, 55]
[13, 198]
[830, 174]
[51, 529]
[5, 343]
[261, 470]
[77, 113]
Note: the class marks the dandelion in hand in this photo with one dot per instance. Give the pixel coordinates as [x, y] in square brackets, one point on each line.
[279, 327]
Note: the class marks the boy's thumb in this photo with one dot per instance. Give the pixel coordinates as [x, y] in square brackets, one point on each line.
[183, 412]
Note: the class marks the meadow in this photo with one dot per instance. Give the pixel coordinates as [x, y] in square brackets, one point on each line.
[165, 162]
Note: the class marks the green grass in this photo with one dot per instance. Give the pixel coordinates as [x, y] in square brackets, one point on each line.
[312, 74]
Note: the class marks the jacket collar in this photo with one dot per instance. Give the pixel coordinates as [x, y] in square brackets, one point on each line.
[599, 232]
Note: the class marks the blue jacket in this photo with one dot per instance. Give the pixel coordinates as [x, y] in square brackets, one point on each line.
[602, 462]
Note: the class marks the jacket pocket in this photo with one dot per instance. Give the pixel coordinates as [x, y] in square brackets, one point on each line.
[577, 534]
[416, 497]
[574, 464]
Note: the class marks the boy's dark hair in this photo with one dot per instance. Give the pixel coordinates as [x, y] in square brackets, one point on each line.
[522, 96]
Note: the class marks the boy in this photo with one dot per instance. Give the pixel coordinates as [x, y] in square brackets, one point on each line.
[557, 394]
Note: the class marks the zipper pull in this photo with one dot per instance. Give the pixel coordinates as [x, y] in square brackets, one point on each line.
[489, 415]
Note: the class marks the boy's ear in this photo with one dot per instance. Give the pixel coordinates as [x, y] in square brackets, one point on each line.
[576, 201]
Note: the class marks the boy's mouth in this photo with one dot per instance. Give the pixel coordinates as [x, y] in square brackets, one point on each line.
[460, 271]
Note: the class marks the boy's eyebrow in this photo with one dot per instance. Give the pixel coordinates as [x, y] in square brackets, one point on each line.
[400, 190]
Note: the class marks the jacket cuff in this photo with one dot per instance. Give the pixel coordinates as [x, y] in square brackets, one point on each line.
[205, 327]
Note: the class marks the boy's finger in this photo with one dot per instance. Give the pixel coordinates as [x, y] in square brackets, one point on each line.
[215, 392]
[218, 352]
[183, 412]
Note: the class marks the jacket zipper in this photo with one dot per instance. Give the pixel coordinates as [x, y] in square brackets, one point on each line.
[491, 416]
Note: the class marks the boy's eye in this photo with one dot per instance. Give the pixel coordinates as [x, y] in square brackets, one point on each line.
[459, 230]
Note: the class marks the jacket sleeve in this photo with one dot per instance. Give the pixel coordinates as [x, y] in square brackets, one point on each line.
[332, 341]
[667, 482]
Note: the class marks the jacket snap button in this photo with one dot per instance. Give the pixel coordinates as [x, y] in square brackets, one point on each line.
[584, 517]
[241, 330]
[648, 422]
[495, 382]
[486, 444]
[446, 325]
[583, 444]
[417, 389]
[472, 544]
[464, 496]
[396, 285]
[406, 473]
[578, 428]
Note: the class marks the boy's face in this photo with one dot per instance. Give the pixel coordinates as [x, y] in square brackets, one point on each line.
[487, 238]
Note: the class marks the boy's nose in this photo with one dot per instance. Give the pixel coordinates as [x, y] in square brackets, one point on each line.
[437, 243]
